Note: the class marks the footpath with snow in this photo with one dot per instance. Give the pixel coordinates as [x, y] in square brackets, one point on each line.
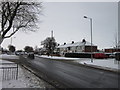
[106, 64]
[5, 56]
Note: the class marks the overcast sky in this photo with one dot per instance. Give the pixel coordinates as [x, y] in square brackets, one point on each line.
[67, 22]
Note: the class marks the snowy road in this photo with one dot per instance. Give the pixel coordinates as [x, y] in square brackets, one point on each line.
[73, 76]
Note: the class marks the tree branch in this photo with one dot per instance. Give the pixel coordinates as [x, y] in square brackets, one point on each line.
[11, 34]
[11, 20]
[20, 26]
[18, 14]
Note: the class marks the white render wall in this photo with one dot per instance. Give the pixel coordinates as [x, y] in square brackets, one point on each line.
[72, 49]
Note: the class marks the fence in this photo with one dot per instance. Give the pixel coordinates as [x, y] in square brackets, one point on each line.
[9, 71]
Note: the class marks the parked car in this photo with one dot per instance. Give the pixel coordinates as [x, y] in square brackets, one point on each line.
[100, 56]
[117, 56]
[112, 56]
[20, 53]
[31, 55]
[108, 54]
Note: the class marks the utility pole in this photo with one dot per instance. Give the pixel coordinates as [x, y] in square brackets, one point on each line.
[52, 41]
[91, 36]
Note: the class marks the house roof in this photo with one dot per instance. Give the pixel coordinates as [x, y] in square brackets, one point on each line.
[75, 44]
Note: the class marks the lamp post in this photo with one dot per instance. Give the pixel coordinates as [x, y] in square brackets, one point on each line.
[91, 36]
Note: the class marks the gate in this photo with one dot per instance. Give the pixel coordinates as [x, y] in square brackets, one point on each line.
[9, 71]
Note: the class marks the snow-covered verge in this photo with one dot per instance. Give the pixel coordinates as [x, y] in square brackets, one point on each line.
[5, 56]
[25, 80]
[108, 64]
[59, 58]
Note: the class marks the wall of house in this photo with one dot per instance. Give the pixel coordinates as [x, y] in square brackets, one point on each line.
[88, 49]
[71, 49]
[78, 49]
[112, 50]
[75, 49]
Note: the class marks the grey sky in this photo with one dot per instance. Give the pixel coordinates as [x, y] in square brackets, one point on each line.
[67, 22]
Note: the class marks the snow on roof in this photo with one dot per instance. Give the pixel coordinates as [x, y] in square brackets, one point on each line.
[75, 44]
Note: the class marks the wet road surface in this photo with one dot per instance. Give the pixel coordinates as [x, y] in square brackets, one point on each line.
[74, 76]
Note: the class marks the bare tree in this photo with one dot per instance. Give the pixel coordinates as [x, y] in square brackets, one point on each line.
[18, 15]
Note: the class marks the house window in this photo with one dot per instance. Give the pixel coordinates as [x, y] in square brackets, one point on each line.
[80, 47]
[76, 47]
[68, 48]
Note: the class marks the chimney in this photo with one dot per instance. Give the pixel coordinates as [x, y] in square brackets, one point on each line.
[64, 43]
[83, 41]
[72, 42]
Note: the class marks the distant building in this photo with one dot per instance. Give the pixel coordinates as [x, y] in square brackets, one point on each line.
[83, 46]
[112, 50]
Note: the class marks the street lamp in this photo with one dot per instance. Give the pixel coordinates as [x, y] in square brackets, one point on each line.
[91, 35]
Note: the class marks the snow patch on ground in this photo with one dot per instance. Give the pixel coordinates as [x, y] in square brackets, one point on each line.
[55, 57]
[108, 63]
[25, 79]
[5, 56]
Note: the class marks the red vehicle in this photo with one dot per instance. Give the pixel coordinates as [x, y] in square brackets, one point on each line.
[100, 56]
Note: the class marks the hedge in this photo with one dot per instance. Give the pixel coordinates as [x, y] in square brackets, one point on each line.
[78, 55]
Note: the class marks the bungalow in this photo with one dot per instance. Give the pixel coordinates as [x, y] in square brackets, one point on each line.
[83, 46]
